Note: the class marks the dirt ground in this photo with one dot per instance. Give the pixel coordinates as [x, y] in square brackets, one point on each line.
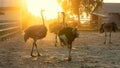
[88, 52]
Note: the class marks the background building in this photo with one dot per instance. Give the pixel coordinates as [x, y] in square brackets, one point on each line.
[109, 12]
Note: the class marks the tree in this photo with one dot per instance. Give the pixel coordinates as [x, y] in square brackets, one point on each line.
[90, 5]
[79, 6]
[75, 8]
[71, 6]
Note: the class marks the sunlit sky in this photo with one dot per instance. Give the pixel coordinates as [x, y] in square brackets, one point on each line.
[112, 1]
[51, 7]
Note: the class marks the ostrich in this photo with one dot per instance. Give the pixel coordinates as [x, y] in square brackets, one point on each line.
[55, 28]
[67, 35]
[36, 32]
[108, 27]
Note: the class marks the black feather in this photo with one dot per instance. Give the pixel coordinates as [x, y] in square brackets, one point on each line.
[69, 33]
[101, 28]
[114, 27]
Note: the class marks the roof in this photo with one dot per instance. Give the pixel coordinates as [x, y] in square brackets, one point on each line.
[106, 9]
[100, 12]
[112, 7]
[10, 3]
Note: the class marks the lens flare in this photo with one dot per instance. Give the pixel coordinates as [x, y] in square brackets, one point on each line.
[51, 7]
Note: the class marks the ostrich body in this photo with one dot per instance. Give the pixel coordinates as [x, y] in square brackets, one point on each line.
[67, 35]
[35, 32]
[108, 27]
[55, 28]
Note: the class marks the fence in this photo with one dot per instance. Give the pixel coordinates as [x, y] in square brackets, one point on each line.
[9, 28]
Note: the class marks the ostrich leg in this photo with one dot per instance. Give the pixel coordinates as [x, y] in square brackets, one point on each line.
[110, 38]
[37, 50]
[32, 49]
[105, 37]
[56, 40]
[69, 50]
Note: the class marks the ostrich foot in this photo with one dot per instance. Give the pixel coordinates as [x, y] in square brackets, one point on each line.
[69, 58]
[104, 42]
[55, 45]
[110, 42]
[62, 45]
[33, 55]
[39, 54]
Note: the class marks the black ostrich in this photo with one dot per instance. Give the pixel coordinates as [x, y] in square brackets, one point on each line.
[67, 35]
[108, 27]
[36, 32]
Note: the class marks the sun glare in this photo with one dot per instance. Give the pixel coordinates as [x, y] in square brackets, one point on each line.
[84, 18]
[51, 7]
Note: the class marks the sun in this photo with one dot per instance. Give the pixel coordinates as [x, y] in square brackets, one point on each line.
[51, 8]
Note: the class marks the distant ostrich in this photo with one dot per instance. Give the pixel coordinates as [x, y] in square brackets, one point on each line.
[108, 27]
[67, 36]
[36, 32]
[55, 28]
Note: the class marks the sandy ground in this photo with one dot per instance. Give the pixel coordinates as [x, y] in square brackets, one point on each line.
[88, 52]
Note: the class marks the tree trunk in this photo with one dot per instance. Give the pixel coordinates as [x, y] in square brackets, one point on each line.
[79, 17]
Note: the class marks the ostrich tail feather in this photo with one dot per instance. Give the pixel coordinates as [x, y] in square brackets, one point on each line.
[26, 37]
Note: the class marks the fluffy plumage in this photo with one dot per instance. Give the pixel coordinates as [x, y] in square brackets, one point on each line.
[35, 32]
[55, 28]
[67, 35]
[108, 27]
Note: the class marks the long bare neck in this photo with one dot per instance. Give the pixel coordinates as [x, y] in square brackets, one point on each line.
[42, 18]
[64, 19]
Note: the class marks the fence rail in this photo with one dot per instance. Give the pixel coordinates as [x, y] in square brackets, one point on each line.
[6, 23]
[9, 27]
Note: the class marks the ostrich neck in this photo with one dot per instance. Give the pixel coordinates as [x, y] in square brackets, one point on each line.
[64, 20]
[42, 18]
